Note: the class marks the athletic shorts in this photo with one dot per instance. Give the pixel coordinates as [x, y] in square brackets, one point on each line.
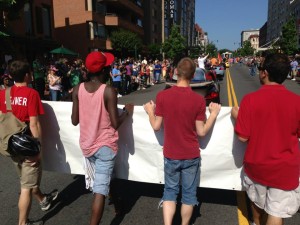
[30, 177]
[275, 202]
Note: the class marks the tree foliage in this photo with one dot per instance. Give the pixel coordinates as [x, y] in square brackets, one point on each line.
[154, 50]
[194, 52]
[174, 46]
[246, 49]
[125, 42]
[289, 41]
[212, 49]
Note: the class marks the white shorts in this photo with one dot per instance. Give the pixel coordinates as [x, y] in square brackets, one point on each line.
[275, 202]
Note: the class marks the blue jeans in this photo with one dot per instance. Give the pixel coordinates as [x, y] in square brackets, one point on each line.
[188, 172]
[157, 77]
[253, 70]
[54, 94]
[104, 160]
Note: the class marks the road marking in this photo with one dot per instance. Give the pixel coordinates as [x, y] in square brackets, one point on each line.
[230, 90]
[242, 210]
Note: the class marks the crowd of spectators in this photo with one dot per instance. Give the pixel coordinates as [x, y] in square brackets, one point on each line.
[55, 79]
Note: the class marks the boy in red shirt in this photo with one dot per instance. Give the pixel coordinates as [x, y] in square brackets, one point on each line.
[269, 121]
[27, 106]
[183, 114]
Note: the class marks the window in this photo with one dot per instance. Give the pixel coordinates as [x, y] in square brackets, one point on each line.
[39, 19]
[46, 21]
[139, 22]
[28, 19]
[96, 30]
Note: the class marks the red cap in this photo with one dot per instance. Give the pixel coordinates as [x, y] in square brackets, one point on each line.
[96, 61]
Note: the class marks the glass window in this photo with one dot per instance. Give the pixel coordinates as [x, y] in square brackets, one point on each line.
[101, 31]
[27, 18]
[46, 21]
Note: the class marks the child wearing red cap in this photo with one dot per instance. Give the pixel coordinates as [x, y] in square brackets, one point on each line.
[95, 110]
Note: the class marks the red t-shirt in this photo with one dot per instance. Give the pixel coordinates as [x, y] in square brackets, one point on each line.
[180, 107]
[25, 102]
[270, 119]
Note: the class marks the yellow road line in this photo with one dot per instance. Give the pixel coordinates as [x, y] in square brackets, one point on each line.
[232, 90]
[240, 195]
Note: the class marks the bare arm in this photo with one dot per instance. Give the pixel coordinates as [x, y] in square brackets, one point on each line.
[75, 107]
[35, 127]
[202, 127]
[155, 121]
[234, 114]
[111, 101]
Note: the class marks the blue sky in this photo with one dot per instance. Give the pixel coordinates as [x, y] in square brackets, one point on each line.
[224, 20]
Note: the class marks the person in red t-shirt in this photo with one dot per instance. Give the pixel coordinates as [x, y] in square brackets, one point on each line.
[27, 106]
[269, 121]
[183, 113]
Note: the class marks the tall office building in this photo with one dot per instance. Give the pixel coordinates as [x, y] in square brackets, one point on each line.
[152, 22]
[182, 13]
[279, 12]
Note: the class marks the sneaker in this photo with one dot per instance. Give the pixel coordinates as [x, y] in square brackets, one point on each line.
[48, 200]
[40, 222]
[119, 96]
[294, 79]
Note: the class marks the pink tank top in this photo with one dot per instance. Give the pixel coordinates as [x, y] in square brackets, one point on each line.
[95, 125]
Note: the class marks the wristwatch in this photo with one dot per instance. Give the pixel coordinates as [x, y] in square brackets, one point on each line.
[125, 111]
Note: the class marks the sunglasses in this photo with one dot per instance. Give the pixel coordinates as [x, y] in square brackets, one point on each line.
[261, 68]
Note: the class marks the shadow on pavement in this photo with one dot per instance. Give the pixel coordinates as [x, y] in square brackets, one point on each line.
[67, 196]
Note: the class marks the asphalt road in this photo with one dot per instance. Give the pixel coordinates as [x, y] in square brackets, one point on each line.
[139, 200]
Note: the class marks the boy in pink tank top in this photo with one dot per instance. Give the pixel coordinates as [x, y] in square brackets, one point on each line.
[95, 110]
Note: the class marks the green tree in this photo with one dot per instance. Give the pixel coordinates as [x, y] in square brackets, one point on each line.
[194, 52]
[246, 49]
[211, 49]
[289, 40]
[125, 42]
[174, 47]
[154, 50]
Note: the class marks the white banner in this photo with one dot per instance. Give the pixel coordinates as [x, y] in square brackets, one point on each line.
[140, 156]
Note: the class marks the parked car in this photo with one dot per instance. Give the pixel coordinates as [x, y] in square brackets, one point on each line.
[220, 71]
[205, 83]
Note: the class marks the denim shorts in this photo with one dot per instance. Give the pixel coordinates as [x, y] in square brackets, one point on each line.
[104, 160]
[188, 172]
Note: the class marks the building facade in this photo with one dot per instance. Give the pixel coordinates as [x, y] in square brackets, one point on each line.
[181, 13]
[252, 36]
[32, 34]
[152, 21]
[279, 12]
[86, 25]
[201, 38]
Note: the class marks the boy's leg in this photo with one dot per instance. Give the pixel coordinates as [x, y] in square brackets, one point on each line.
[257, 214]
[104, 164]
[171, 189]
[272, 220]
[169, 209]
[190, 178]
[24, 205]
[186, 213]
[97, 209]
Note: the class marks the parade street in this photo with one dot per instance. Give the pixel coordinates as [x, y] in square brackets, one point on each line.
[138, 201]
